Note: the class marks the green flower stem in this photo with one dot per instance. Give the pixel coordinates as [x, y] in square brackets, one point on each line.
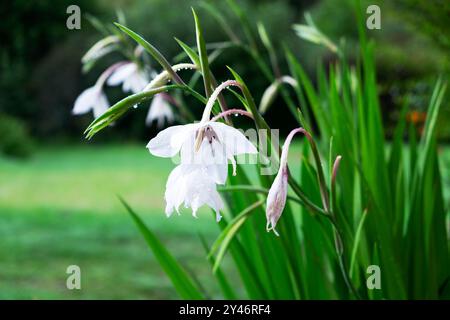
[299, 192]
[221, 99]
[339, 246]
[250, 188]
[320, 174]
[338, 238]
[236, 112]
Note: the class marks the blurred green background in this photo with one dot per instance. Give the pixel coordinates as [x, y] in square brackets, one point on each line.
[58, 203]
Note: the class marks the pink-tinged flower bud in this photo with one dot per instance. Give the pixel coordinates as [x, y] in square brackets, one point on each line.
[276, 199]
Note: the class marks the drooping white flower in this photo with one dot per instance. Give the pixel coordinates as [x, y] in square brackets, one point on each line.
[93, 99]
[193, 187]
[207, 143]
[159, 111]
[132, 78]
[210, 144]
[205, 149]
[276, 199]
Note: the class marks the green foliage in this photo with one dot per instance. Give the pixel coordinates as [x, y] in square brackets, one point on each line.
[183, 284]
[379, 208]
[430, 17]
[34, 36]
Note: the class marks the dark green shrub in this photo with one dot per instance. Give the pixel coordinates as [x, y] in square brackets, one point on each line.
[15, 140]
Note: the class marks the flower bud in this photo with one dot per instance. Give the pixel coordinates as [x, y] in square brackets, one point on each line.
[268, 97]
[162, 78]
[100, 48]
[271, 92]
[276, 199]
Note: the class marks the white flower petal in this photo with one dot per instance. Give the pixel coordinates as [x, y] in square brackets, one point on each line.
[140, 81]
[101, 105]
[235, 141]
[168, 142]
[217, 204]
[218, 172]
[135, 82]
[86, 100]
[188, 155]
[211, 157]
[192, 186]
[202, 191]
[122, 73]
[160, 111]
[175, 190]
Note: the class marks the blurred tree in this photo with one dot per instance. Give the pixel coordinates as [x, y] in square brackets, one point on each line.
[40, 58]
[429, 17]
[29, 30]
[411, 49]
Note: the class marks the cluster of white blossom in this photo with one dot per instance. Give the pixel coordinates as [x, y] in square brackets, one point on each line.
[134, 79]
[205, 147]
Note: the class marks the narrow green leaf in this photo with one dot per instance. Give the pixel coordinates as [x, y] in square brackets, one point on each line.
[203, 56]
[180, 279]
[153, 52]
[356, 241]
[120, 108]
[225, 286]
[250, 105]
[223, 240]
[190, 52]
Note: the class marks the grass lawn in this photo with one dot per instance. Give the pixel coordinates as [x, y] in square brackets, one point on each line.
[60, 208]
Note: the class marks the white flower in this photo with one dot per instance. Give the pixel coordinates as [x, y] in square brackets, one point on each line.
[131, 77]
[193, 187]
[93, 99]
[160, 111]
[205, 149]
[209, 144]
